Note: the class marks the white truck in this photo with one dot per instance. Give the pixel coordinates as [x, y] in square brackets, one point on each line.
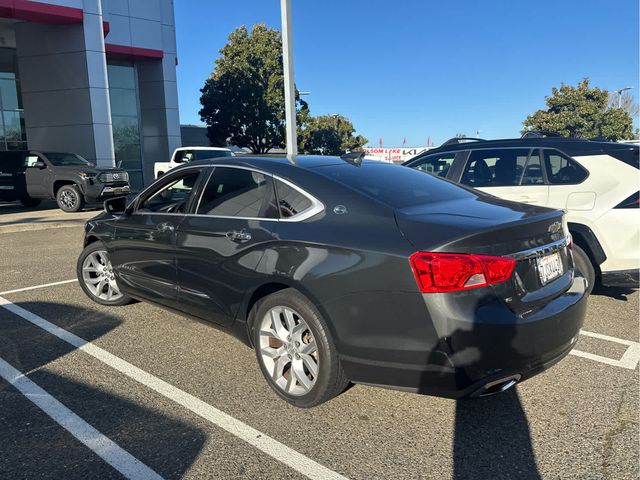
[186, 154]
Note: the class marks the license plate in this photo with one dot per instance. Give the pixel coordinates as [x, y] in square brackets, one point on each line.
[549, 267]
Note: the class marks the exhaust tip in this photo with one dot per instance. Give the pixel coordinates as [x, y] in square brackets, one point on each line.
[495, 387]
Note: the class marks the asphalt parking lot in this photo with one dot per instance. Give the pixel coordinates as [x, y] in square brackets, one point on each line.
[152, 394]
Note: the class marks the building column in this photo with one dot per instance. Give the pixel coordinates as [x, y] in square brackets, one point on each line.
[98, 83]
[65, 92]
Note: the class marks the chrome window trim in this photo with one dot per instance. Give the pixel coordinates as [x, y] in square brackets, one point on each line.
[543, 250]
[316, 205]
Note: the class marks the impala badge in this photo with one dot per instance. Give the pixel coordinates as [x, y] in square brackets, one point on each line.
[339, 209]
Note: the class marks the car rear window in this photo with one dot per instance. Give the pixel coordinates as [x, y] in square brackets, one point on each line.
[204, 154]
[394, 185]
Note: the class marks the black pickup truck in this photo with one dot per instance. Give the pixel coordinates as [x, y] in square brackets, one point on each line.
[68, 178]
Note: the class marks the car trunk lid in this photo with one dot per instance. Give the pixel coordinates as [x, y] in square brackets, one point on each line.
[536, 237]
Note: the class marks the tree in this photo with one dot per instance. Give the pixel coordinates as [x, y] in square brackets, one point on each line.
[329, 135]
[581, 112]
[243, 99]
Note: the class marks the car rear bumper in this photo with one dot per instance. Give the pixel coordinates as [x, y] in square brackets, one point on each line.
[621, 278]
[480, 356]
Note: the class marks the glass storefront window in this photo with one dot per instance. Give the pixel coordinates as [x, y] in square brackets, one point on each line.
[125, 119]
[12, 131]
[124, 102]
[8, 95]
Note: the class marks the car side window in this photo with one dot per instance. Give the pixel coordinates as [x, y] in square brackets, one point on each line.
[31, 160]
[562, 170]
[291, 202]
[187, 156]
[495, 168]
[172, 197]
[533, 171]
[235, 192]
[438, 164]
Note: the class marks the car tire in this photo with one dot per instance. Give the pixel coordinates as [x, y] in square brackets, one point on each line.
[286, 354]
[95, 276]
[583, 263]
[69, 198]
[30, 202]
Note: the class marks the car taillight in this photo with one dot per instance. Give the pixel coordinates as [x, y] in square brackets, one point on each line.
[449, 272]
[632, 202]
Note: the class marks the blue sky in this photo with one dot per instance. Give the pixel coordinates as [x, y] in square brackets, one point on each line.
[420, 69]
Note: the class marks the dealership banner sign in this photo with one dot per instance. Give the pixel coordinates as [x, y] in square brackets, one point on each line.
[395, 155]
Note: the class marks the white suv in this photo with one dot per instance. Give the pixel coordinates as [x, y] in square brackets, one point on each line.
[596, 182]
[188, 154]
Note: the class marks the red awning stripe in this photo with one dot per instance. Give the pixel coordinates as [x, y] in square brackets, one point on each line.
[133, 52]
[38, 12]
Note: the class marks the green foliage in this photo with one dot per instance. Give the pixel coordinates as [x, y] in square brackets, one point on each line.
[581, 112]
[329, 135]
[243, 99]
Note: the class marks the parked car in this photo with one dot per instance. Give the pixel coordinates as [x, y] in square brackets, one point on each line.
[596, 182]
[341, 271]
[183, 155]
[30, 176]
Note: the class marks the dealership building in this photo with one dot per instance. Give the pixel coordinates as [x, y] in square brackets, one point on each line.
[94, 77]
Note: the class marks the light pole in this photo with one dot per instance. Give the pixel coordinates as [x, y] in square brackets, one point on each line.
[619, 92]
[289, 84]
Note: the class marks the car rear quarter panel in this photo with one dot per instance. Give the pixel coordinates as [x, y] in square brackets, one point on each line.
[355, 268]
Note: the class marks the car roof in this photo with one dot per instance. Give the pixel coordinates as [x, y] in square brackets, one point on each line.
[570, 146]
[268, 163]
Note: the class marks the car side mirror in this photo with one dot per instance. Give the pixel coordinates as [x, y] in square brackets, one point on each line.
[116, 206]
[39, 164]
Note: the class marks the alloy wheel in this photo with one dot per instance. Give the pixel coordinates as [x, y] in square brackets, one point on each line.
[68, 199]
[97, 274]
[288, 351]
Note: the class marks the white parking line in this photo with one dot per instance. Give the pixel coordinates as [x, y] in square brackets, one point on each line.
[38, 286]
[297, 461]
[629, 359]
[109, 451]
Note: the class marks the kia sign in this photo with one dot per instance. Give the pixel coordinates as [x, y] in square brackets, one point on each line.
[393, 155]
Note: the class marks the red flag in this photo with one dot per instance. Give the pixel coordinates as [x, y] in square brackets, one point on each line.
[404, 142]
[381, 141]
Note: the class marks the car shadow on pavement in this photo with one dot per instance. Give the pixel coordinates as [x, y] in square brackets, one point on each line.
[491, 433]
[617, 293]
[39, 447]
[492, 439]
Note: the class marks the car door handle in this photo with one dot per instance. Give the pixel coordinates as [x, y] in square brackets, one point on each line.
[165, 227]
[239, 236]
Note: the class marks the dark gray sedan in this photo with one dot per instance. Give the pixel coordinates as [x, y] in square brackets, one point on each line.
[340, 270]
